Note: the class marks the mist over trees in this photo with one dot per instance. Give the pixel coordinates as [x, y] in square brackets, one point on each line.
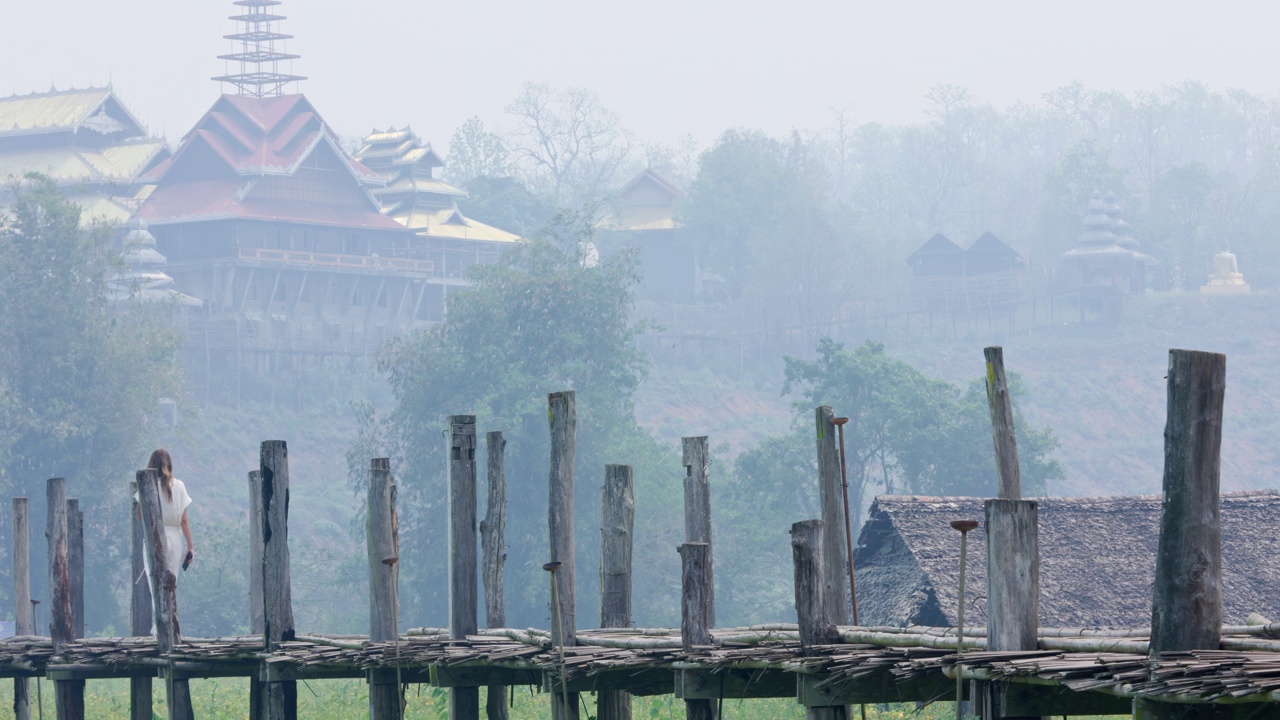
[80, 377]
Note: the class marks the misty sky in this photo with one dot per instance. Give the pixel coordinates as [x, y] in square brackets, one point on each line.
[669, 67]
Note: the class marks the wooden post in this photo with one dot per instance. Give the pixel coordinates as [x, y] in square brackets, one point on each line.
[69, 694]
[697, 506]
[1186, 608]
[835, 571]
[1002, 431]
[1013, 585]
[383, 542]
[139, 606]
[21, 599]
[617, 518]
[464, 702]
[808, 546]
[75, 564]
[562, 414]
[256, 687]
[164, 587]
[695, 614]
[280, 699]
[494, 553]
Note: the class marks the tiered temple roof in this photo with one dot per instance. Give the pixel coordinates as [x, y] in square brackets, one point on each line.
[270, 158]
[87, 141]
[412, 193]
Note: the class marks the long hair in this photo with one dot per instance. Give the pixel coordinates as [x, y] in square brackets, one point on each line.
[162, 463]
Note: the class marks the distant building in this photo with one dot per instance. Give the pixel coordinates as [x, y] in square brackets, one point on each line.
[87, 141]
[644, 217]
[413, 195]
[262, 214]
[1106, 264]
[985, 256]
[1097, 560]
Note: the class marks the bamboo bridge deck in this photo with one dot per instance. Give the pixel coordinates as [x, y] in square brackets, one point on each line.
[757, 662]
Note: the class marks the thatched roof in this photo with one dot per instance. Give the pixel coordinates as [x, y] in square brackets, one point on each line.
[1097, 560]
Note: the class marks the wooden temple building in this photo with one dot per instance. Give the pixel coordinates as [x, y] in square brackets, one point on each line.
[644, 217]
[1106, 265]
[87, 141]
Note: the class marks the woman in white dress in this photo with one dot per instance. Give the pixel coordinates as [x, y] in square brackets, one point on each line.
[174, 501]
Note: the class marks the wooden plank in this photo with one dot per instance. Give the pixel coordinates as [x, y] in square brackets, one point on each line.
[835, 571]
[617, 521]
[695, 614]
[697, 506]
[164, 586]
[75, 564]
[280, 699]
[562, 416]
[453, 676]
[734, 684]
[464, 702]
[383, 546]
[493, 552]
[23, 625]
[140, 705]
[1186, 609]
[276, 674]
[1035, 700]
[808, 538]
[1013, 587]
[877, 688]
[256, 571]
[68, 694]
[1003, 436]
[649, 681]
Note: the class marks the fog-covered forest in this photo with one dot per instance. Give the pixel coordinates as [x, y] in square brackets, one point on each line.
[264, 269]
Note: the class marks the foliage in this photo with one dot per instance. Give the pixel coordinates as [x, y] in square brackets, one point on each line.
[475, 152]
[546, 317]
[79, 377]
[568, 145]
[506, 203]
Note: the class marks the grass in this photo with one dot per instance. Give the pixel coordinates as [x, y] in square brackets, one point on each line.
[226, 698]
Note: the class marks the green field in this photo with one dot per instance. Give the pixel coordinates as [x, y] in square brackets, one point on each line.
[227, 698]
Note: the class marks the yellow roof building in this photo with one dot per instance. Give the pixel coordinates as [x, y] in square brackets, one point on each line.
[413, 194]
[87, 141]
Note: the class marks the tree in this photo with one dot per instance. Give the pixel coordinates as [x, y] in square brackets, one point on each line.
[568, 145]
[475, 152]
[80, 378]
[506, 203]
[543, 318]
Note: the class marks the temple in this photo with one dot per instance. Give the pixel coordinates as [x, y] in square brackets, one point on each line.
[1106, 264]
[87, 141]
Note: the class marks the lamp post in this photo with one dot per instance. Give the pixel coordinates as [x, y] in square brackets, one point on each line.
[964, 526]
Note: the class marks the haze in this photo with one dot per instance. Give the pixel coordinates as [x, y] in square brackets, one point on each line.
[668, 68]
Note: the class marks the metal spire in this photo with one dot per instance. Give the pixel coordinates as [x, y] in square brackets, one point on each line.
[257, 54]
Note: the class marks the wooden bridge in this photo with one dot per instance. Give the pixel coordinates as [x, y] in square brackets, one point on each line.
[1187, 665]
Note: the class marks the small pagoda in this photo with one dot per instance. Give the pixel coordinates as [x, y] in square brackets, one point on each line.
[1106, 263]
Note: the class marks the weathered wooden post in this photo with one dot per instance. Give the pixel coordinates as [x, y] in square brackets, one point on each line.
[75, 563]
[808, 550]
[21, 599]
[69, 694]
[695, 614]
[617, 518]
[164, 589]
[1013, 551]
[140, 706]
[697, 505]
[383, 542]
[281, 696]
[834, 568]
[256, 687]
[1002, 430]
[1186, 608]
[464, 702]
[494, 554]
[562, 415]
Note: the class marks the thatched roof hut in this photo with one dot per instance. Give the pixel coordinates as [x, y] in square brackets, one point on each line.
[1097, 560]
